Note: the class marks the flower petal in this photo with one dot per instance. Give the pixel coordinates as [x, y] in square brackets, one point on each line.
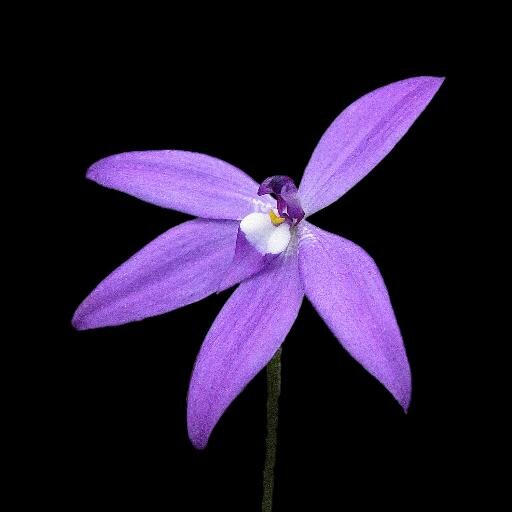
[360, 137]
[346, 288]
[242, 340]
[181, 266]
[188, 182]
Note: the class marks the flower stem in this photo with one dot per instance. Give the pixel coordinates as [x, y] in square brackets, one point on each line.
[273, 391]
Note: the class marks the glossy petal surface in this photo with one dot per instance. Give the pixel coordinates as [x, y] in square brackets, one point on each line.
[193, 183]
[346, 288]
[181, 266]
[242, 340]
[360, 137]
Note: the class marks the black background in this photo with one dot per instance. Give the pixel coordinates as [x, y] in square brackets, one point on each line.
[114, 399]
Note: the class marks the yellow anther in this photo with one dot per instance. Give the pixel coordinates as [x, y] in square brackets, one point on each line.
[275, 219]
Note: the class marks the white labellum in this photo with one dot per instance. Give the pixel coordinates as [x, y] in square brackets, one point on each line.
[263, 235]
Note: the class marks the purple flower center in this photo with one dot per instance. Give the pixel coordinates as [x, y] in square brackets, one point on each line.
[284, 190]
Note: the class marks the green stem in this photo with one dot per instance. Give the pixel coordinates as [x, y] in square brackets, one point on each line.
[273, 391]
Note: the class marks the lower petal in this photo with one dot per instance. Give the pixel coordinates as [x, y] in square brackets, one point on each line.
[242, 340]
[346, 288]
[182, 266]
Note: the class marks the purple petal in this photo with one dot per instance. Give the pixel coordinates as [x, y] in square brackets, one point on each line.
[360, 137]
[182, 266]
[242, 340]
[347, 290]
[188, 182]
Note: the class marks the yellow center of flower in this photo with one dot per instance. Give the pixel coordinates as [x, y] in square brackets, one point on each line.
[275, 219]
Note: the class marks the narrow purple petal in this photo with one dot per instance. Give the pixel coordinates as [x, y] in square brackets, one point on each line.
[242, 340]
[188, 182]
[346, 288]
[360, 137]
[181, 266]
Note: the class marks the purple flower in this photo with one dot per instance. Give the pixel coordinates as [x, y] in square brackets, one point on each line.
[258, 236]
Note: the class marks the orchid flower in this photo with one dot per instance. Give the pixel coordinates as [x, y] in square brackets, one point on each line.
[259, 236]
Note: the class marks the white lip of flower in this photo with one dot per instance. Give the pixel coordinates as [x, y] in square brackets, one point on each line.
[264, 235]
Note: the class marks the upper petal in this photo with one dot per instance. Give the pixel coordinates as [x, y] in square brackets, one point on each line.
[242, 340]
[346, 288]
[192, 183]
[360, 137]
[181, 266]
